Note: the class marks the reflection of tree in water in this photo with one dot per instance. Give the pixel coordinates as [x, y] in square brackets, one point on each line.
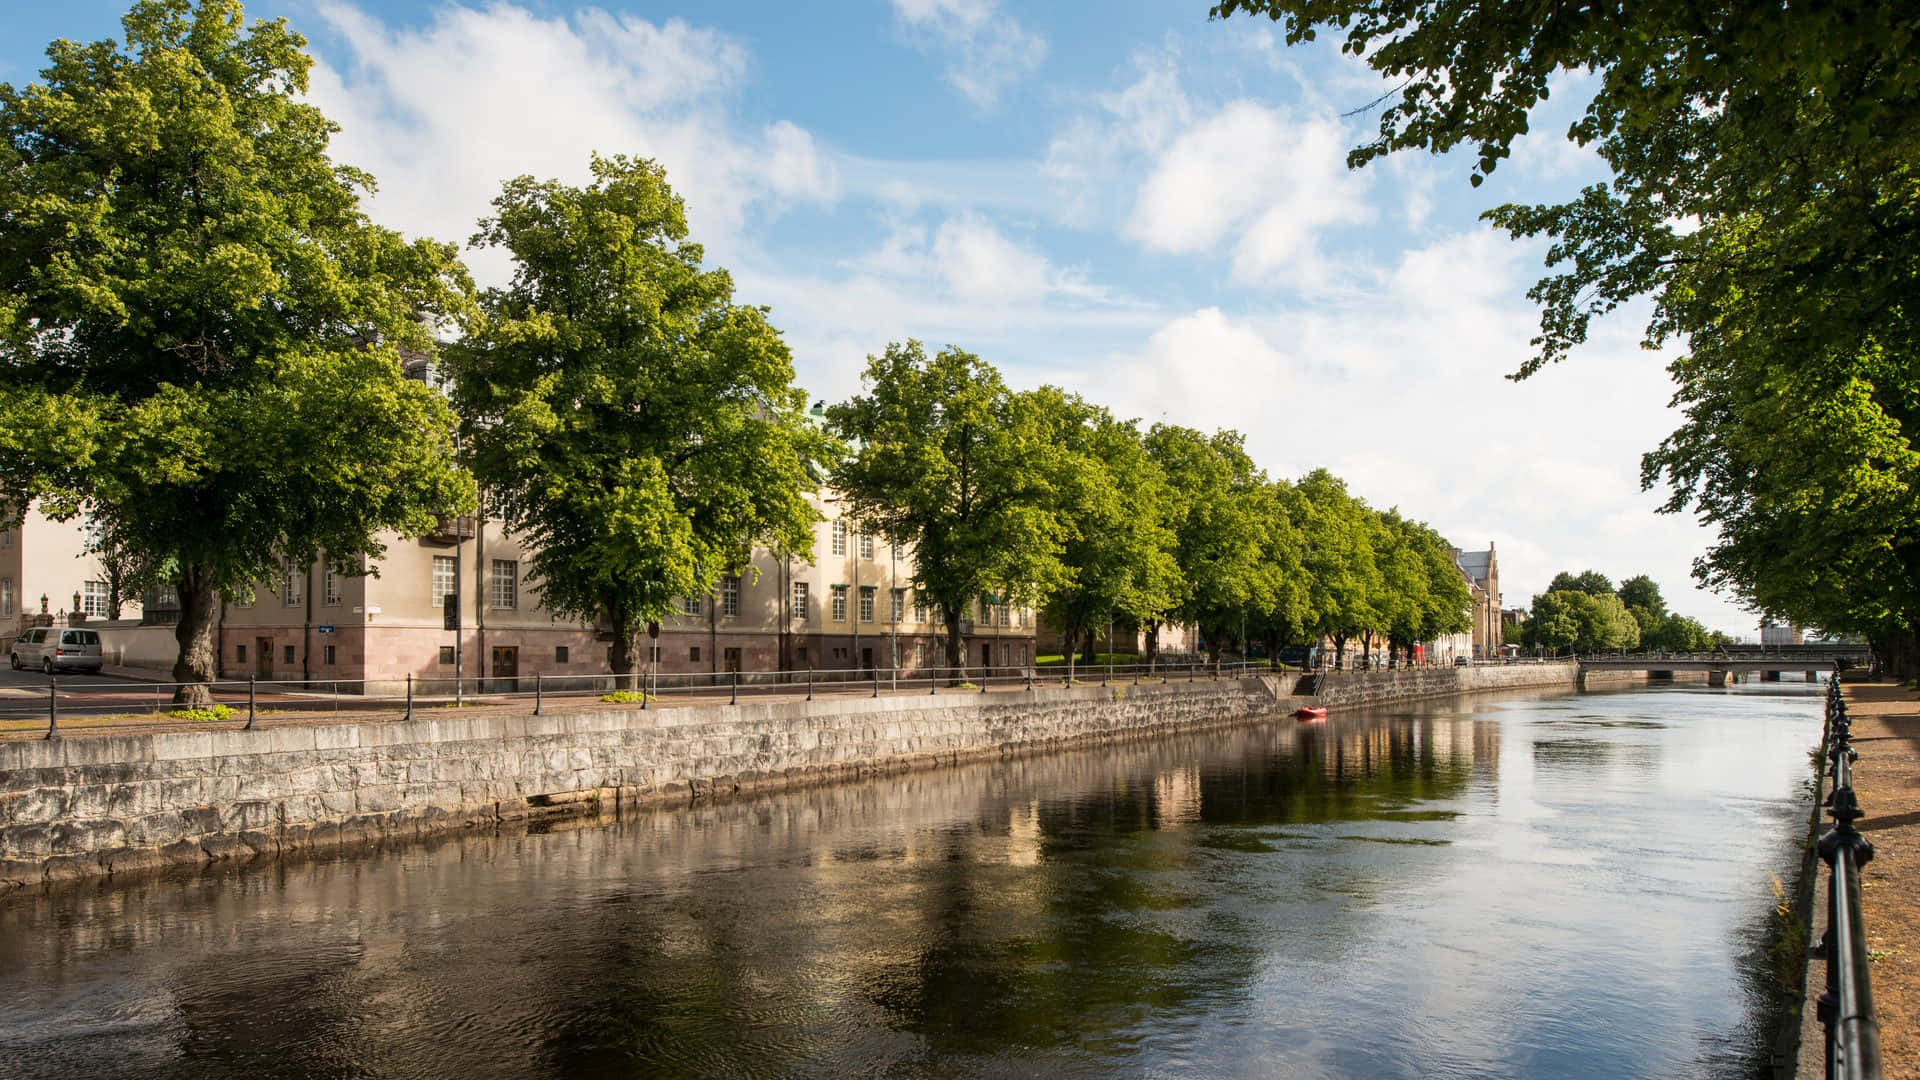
[1348, 772]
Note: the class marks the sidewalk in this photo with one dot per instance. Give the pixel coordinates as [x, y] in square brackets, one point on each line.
[1886, 732]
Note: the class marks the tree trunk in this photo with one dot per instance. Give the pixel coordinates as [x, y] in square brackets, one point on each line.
[1089, 639]
[1213, 646]
[197, 636]
[1339, 651]
[956, 658]
[620, 656]
[1153, 643]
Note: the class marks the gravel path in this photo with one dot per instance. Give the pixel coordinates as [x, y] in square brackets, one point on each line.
[1886, 732]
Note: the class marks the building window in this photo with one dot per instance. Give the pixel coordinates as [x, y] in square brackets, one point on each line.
[6, 597]
[326, 655]
[801, 656]
[690, 606]
[330, 593]
[730, 595]
[899, 604]
[289, 584]
[839, 603]
[506, 584]
[1006, 656]
[866, 546]
[802, 609]
[559, 654]
[919, 606]
[920, 655]
[442, 578]
[986, 612]
[693, 653]
[866, 603]
[286, 654]
[839, 537]
[240, 653]
[6, 538]
[653, 654]
[93, 599]
[446, 654]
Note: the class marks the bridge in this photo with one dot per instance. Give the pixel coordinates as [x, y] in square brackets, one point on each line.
[1767, 662]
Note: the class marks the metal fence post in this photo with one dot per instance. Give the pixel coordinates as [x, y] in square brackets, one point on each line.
[876, 682]
[735, 699]
[646, 690]
[53, 704]
[536, 693]
[409, 696]
[809, 683]
[933, 681]
[250, 705]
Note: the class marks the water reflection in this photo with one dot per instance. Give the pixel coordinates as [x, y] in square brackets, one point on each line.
[1507, 886]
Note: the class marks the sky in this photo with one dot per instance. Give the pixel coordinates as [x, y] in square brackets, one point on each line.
[1122, 198]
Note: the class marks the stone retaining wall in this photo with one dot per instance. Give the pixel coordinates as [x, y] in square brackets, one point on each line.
[1343, 688]
[80, 807]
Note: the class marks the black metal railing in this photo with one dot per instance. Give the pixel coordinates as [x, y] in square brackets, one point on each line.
[1846, 1006]
[123, 705]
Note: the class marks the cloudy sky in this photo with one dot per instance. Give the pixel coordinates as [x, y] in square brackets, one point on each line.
[1119, 197]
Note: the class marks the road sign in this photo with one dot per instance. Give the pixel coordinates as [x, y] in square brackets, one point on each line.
[324, 629]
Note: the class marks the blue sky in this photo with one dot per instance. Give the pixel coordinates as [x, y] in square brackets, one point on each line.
[1119, 197]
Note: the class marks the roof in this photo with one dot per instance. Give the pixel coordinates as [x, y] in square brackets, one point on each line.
[1477, 564]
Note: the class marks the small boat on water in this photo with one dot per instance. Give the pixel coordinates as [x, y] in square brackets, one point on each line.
[1311, 712]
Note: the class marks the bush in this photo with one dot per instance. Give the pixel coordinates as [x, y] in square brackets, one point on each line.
[624, 697]
[210, 714]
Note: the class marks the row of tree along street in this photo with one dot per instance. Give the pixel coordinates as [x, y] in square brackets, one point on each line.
[203, 337]
[1763, 198]
[1585, 613]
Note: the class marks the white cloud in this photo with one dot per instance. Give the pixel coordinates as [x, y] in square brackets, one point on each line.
[1263, 183]
[442, 114]
[993, 50]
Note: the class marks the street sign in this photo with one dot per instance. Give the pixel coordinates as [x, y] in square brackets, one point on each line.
[450, 612]
[324, 629]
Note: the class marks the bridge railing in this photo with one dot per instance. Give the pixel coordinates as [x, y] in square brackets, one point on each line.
[1845, 1009]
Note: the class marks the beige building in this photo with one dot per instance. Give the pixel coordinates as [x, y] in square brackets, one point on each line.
[1482, 570]
[852, 608]
[47, 575]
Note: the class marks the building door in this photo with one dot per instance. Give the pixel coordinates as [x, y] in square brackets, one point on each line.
[506, 669]
[733, 659]
[263, 657]
[866, 659]
[986, 656]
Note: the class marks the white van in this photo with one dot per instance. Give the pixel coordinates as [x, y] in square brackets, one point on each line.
[50, 648]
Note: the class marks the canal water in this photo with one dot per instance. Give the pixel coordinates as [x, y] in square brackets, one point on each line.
[1560, 886]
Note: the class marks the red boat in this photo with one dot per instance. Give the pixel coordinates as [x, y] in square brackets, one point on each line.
[1311, 712]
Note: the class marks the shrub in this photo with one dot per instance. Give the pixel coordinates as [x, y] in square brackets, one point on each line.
[624, 697]
[210, 714]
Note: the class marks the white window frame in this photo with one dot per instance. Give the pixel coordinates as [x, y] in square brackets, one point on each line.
[503, 584]
[839, 536]
[690, 606]
[839, 603]
[290, 584]
[730, 596]
[802, 602]
[330, 588]
[866, 545]
[442, 583]
[6, 598]
[920, 606]
[867, 604]
[899, 604]
[93, 599]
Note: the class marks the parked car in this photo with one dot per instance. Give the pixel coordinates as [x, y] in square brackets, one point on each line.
[1461, 661]
[51, 648]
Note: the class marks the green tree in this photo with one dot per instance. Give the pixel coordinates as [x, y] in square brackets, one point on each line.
[1605, 623]
[1343, 573]
[199, 327]
[1640, 591]
[1426, 594]
[1288, 614]
[1591, 582]
[947, 459]
[1112, 501]
[1553, 621]
[1219, 528]
[643, 428]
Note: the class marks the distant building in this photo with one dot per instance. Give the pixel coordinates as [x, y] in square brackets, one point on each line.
[1482, 570]
[1775, 634]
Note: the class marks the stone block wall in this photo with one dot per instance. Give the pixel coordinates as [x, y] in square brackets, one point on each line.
[79, 807]
[1348, 688]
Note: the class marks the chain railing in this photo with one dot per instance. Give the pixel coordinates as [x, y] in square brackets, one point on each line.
[1845, 1009]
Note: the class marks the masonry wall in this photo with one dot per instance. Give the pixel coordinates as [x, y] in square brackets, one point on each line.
[1346, 688]
[88, 806]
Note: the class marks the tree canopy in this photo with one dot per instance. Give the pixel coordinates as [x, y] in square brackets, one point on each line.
[640, 427]
[945, 458]
[199, 328]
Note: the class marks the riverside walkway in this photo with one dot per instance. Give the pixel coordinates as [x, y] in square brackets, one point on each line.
[1886, 725]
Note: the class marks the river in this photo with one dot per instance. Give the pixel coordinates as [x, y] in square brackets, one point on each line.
[1538, 886]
